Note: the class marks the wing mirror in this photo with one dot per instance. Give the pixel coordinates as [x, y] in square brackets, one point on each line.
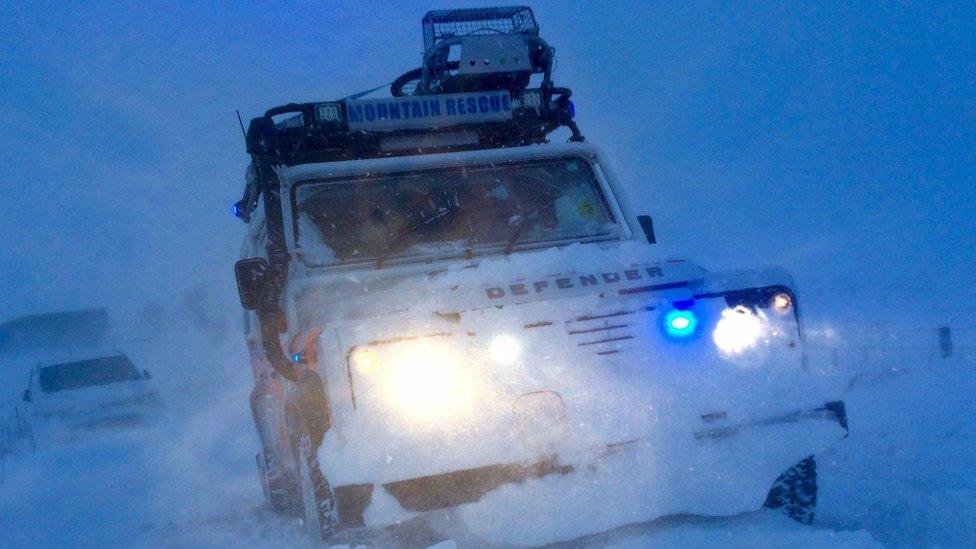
[27, 395]
[252, 274]
[647, 225]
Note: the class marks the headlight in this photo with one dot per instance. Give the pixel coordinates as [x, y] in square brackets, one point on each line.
[365, 359]
[422, 379]
[781, 302]
[738, 330]
[504, 349]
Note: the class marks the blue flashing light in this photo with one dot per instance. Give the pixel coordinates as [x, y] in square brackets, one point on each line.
[296, 358]
[236, 210]
[680, 324]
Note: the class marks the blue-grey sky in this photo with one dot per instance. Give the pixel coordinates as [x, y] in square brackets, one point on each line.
[835, 139]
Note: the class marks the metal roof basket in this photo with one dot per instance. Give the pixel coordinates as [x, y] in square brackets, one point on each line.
[443, 24]
[499, 50]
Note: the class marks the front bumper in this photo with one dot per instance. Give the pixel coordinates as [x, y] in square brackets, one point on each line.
[109, 422]
[720, 470]
[115, 415]
[831, 411]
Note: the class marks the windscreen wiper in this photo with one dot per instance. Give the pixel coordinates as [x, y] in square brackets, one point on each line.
[519, 220]
[522, 223]
[396, 238]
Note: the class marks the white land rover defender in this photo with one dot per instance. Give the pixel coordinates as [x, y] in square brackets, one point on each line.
[459, 330]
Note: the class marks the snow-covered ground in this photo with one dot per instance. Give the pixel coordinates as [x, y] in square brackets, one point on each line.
[906, 473]
[903, 477]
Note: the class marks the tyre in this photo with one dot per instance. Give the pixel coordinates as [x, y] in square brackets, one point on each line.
[317, 498]
[280, 488]
[795, 492]
[406, 83]
[277, 470]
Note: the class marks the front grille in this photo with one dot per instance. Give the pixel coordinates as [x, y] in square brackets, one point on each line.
[607, 333]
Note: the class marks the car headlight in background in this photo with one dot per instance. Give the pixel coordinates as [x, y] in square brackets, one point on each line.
[738, 330]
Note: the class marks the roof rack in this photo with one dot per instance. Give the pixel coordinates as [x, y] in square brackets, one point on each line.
[472, 92]
[369, 128]
[441, 24]
[479, 49]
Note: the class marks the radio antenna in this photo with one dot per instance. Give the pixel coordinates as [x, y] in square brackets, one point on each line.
[241, 122]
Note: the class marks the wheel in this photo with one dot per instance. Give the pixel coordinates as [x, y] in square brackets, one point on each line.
[318, 500]
[281, 489]
[795, 492]
[276, 466]
[406, 83]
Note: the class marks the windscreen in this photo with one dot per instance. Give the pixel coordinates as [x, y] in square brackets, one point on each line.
[86, 373]
[444, 212]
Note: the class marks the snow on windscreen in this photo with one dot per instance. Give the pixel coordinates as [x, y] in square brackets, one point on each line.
[446, 211]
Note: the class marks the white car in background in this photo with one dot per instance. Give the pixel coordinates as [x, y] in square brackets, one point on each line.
[93, 393]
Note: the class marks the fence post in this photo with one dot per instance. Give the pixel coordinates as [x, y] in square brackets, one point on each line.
[945, 341]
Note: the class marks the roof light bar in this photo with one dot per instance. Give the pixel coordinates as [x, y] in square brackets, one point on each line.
[329, 112]
[427, 111]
